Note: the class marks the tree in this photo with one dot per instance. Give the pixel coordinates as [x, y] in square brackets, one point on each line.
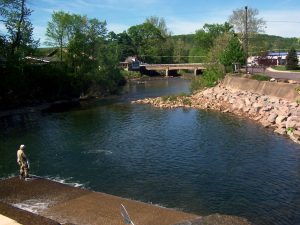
[179, 51]
[147, 41]
[58, 31]
[292, 60]
[254, 24]
[15, 16]
[159, 23]
[86, 37]
[246, 24]
[232, 53]
[123, 44]
[205, 37]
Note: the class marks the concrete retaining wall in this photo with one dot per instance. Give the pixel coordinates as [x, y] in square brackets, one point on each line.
[278, 89]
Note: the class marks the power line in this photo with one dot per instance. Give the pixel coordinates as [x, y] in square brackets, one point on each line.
[174, 56]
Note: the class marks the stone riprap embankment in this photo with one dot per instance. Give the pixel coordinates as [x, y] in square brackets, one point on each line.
[281, 114]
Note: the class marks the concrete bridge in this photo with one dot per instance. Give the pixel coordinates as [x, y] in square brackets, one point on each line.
[167, 67]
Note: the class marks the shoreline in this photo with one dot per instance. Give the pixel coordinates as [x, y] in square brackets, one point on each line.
[61, 105]
[280, 114]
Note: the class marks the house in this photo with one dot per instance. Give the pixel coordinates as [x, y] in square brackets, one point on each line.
[280, 57]
[275, 58]
[52, 57]
[131, 63]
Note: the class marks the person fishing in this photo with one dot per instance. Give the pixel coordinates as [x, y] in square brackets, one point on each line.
[23, 162]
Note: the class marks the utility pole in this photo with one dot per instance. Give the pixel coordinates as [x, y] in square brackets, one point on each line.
[246, 37]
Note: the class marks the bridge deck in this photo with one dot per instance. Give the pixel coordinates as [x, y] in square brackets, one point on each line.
[187, 66]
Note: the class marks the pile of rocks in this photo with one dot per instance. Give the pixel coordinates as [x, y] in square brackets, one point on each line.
[280, 114]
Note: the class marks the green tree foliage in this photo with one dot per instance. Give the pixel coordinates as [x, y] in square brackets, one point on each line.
[292, 60]
[87, 36]
[147, 42]
[211, 77]
[218, 47]
[261, 43]
[89, 63]
[59, 31]
[123, 45]
[258, 44]
[204, 40]
[179, 52]
[160, 24]
[18, 39]
[232, 53]
[151, 41]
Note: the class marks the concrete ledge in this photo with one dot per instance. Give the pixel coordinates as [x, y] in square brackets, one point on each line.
[70, 205]
[13, 215]
[276, 89]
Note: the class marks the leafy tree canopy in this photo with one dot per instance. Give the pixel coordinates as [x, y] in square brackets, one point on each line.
[147, 41]
[238, 21]
[18, 36]
[233, 53]
[159, 23]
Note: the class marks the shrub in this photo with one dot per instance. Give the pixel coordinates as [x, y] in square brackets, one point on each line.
[292, 60]
[130, 74]
[210, 78]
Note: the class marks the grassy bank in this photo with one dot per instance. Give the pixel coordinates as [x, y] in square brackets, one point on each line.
[282, 68]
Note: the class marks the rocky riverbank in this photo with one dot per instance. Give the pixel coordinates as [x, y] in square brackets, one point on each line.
[280, 114]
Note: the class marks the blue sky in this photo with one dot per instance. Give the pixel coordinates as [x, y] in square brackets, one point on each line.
[182, 16]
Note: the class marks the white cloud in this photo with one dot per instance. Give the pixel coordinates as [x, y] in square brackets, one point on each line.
[183, 26]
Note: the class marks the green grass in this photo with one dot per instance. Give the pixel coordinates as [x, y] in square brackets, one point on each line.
[282, 68]
[260, 77]
[173, 97]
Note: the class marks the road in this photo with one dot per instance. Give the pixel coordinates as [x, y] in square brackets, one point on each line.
[275, 73]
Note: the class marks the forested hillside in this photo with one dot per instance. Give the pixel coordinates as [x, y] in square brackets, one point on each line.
[258, 44]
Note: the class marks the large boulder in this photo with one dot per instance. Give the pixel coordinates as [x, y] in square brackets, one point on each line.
[293, 122]
[280, 131]
[281, 121]
[272, 117]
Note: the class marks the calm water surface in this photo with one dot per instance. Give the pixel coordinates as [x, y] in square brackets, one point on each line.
[197, 161]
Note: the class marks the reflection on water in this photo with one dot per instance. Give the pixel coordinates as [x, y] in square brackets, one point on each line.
[197, 161]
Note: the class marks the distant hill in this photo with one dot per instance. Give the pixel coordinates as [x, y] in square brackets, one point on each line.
[263, 42]
[257, 44]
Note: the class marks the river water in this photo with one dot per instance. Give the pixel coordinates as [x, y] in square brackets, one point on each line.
[196, 161]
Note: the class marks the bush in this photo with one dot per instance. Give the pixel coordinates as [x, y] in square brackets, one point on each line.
[292, 60]
[210, 78]
[130, 74]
